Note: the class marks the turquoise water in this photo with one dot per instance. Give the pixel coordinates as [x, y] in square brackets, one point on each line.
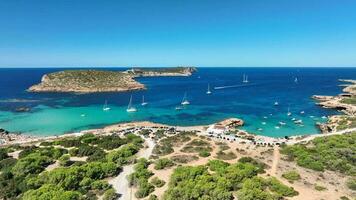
[54, 114]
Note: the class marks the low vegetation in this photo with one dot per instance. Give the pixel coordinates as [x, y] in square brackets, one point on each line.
[157, 182]
[166, 144]
[349, 100]
[334, 153]
[319, 187]
[140, 178]
[26, 178]
[291, 176]
[163, 163]
[197, 182]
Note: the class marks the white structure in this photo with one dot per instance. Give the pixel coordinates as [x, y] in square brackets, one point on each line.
[217, 129]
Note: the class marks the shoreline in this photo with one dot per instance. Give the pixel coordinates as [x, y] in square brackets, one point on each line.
[119, 128]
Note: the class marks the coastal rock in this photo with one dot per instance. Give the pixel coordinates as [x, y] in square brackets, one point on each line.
[344, 103]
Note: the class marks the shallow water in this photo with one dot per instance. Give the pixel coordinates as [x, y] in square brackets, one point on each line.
[58, 113]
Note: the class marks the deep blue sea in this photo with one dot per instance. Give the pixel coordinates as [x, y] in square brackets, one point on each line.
[58, 113]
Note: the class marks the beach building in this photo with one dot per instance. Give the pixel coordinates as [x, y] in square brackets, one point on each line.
[217, 129]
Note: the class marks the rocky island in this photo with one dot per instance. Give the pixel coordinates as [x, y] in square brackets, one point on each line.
[90, 81]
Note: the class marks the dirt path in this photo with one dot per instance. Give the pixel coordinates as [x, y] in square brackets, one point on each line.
[120, 183]
[276, 157]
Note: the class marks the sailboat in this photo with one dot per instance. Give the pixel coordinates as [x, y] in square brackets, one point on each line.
[105, 107]
[289, 113]
[245, 78]
[143, 101]
[185, 101]
[208, 91]
[130, 108]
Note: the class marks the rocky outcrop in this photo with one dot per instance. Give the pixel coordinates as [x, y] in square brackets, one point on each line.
[90, 81]
[342, 103]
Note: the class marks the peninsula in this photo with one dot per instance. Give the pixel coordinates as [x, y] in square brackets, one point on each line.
[345, 102]
[91, 81]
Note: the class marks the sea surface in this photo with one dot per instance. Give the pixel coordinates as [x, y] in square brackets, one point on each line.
[59, 113]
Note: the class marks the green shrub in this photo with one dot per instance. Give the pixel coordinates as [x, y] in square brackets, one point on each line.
[261, 166]
[276, 186]
[153, 197]
[64, 161]
[351, 183]
[204, 154]
[163, 163]
[225, 156]
[184, 158]
[7, 163]
[31, 164]
[110, 194]
[157, 182]
[3, 154]
[319, 187]
[52, 192]
[291, 176]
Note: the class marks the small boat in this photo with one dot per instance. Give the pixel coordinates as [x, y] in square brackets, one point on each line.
[82, 115]
[276, 103]
[245, 78]
[105, 107]
[265, 117]
[179, 108]
[260, 129]
[143, 101]
[296, 80]
[302, 112]
[264, 123]
[282, 123]
[323, 117]
[208, 91]
[289, 113]
[130, 108]
[298, 121]
[277, 127]
[311, 116]
[185, 100]
[293, 119]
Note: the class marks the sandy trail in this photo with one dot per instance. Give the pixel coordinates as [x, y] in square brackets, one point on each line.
[120, 183]
[276, 157]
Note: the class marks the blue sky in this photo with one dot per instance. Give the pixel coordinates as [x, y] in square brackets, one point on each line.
[93, 33]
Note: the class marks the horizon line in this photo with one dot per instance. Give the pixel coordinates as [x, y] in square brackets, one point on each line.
[54, 67]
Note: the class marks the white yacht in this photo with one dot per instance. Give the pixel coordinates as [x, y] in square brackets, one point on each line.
[289, 113]
[131, 108]
[282, 123]
[208, 91]
[143, 101]
[105, 107]
[245, 78]
[185, 100]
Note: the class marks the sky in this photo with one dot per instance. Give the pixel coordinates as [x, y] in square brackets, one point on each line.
[159, 33]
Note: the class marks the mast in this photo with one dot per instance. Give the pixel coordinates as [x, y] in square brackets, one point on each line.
[130, 102]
